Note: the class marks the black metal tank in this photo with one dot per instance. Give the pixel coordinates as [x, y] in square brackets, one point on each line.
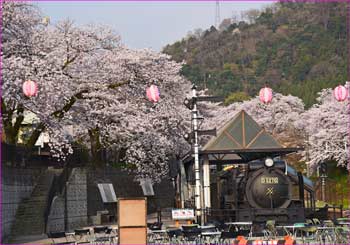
[268, 188]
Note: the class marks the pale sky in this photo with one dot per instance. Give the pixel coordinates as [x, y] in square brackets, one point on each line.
[147, 24]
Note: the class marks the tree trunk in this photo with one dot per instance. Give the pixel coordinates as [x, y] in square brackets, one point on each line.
[35, 135]
[95, 147]
[11, 130]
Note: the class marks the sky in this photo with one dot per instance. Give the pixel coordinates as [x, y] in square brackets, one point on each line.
[147, 24]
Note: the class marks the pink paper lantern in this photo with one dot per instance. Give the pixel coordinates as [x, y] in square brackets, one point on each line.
[153, 93]
[340, 93]
[30, 88]
[265, 95]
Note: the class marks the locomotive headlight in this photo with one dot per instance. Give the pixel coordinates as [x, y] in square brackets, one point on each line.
[268, 162]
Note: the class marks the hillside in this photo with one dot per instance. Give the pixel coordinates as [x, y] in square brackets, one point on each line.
[295, 48]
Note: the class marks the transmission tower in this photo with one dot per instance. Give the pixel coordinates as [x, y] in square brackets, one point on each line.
[217, 15]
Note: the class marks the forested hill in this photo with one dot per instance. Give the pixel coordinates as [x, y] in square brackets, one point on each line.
[295, 48]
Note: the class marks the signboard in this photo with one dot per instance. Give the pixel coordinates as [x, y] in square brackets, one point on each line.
[107, 193]
[182, 214]
[147, 187]
[132, 235]
[132, 221]
[132, 212]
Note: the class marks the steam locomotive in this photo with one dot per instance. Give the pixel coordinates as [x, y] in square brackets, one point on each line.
[265, 190]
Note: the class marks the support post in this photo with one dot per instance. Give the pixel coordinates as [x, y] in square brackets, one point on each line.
[206, 183]
[196, 157]
[323, 187]
[66, 229]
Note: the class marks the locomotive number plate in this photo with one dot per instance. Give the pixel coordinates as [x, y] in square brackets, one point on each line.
[269, 180]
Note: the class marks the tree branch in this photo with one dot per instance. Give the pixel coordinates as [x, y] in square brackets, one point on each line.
[68, 62]
[35, 135]
[19, 120]
[118, 84]
[66, 107]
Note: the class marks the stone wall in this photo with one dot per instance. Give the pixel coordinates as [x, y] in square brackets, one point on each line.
[55, 221]
[76, 204]
[125, 186]
[17, 184]
[84, 200]
[77, 199]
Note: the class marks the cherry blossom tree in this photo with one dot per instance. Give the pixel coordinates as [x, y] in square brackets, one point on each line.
[326, 125]
[277, 117]
[19, 23]
[89, 81]
[52, 56]
[123, 117]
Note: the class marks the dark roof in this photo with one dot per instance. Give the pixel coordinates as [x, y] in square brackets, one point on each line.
[241, 132]
[244, 138]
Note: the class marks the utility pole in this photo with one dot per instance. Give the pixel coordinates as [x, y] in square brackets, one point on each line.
[193, 138]
[196, 156]
[217, 15]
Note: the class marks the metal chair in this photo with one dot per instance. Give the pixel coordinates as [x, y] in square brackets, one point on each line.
[175, 236]
[82, 236]
[58, 235]
[191, 233]
[100, 234]
[156, 226]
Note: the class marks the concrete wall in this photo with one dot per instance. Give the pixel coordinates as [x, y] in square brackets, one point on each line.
[125, 186]
[84, 200]
[77, 199]
[76, 204]
[17, 184]
[55, 221]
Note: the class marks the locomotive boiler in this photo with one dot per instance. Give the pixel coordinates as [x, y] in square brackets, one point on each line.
[265, 190]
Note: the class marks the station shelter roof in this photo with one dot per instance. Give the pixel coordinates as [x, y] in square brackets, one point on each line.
[241, 139]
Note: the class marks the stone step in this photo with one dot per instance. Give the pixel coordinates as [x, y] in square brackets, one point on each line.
[20, 239]
[29, 225]
[29, 230]
[30, 210]
[32, 205]
[30, 218]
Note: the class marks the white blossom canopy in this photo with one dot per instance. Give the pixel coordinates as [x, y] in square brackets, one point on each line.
[88, 80]
[327, 126]
[277, 117]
